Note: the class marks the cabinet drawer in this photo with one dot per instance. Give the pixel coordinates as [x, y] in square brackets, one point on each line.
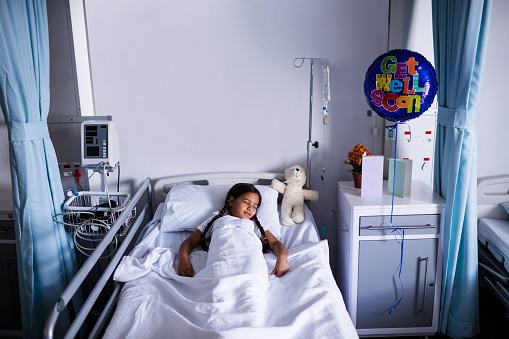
[379, 287]
[412, 224]
[7, 227]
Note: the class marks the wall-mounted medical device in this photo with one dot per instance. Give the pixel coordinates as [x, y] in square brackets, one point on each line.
[99, 144]
[416, 141]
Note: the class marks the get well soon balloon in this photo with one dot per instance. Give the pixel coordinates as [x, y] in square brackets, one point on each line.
[400, 85]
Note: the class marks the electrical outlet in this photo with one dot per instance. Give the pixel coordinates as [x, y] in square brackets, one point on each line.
[369, 112]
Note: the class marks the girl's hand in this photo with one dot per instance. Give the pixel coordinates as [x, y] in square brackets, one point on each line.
[281, 267]
[279, 250]
[185, 268]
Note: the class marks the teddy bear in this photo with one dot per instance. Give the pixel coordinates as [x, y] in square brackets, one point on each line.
[292, 206]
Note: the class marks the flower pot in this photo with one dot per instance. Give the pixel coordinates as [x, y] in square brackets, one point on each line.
[357, 180]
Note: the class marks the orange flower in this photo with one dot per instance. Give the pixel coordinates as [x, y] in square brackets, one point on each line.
[355, 158]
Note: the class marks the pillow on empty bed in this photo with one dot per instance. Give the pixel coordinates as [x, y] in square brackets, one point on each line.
[187, 206]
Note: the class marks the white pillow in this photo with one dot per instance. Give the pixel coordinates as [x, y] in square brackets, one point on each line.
[187, 206]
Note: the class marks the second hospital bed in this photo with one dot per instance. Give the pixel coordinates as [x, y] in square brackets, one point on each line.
[493, 235]
[155, 302]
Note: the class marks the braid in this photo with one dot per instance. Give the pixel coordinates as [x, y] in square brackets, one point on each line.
[265, 243]
[236, 191]
[219, 215]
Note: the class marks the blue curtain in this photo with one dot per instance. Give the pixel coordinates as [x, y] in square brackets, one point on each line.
[460, 34]
[45, 252]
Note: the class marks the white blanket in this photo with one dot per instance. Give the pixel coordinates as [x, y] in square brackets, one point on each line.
[242, 301]
[157, 303]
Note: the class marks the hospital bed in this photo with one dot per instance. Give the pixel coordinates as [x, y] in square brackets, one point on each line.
[150, 300]
[493, 235]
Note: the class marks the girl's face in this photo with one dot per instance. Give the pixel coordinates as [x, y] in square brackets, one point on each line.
[245, 206]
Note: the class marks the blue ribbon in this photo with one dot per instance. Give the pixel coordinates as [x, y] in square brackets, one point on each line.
[396, 230]
[395, 126]
[400, 267]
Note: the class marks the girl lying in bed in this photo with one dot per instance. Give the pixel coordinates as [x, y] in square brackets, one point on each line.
[237, 215]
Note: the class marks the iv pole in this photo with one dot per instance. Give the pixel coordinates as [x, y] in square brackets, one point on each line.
[325, 63]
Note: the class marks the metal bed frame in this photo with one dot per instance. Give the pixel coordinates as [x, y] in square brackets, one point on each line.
[491, 270]
[75, 284]
[156, 195]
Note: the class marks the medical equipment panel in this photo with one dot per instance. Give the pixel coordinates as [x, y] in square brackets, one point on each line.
[99, 143]
[416, 141]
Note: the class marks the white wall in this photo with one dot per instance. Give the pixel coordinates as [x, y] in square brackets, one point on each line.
[203, 79]
[493, 110]
[203, 86]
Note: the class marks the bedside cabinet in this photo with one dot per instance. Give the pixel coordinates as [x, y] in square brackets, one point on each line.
[370, 254]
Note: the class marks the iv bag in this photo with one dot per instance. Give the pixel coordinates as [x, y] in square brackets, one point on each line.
[326, 92]
[326, 86]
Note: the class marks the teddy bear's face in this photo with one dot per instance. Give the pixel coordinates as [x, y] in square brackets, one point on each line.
[295, 174]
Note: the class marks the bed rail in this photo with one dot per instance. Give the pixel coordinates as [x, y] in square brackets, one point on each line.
[89, 264]
[162, 185]
[491, 192]
[488, 203]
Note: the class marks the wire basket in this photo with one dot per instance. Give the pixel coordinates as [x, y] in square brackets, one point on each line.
[104, 208]
[90, 215]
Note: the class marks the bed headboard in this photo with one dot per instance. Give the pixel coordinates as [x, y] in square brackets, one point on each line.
[489, 199]
[163, 185]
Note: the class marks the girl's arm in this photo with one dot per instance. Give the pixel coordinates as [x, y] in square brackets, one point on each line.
[280, 251]
[185, 268]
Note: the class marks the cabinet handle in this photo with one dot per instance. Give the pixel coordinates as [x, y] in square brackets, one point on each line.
[425, 285]
[335, 212]
[417, 227]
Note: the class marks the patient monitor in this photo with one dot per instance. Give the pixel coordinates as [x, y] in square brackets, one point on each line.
[99, 144]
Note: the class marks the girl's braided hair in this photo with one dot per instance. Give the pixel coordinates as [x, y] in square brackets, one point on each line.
[236, 191]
